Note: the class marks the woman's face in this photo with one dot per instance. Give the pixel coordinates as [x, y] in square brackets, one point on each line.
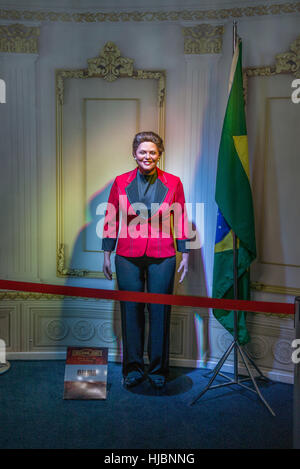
[147, 156]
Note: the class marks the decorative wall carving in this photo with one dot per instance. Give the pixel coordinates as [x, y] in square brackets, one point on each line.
[203, 39]
[19, 38]
[282, 351]
[33, 328]
[56, 329]
[60, 265]
[257, 348]
[109, 64]
[288, 62]
[275, 289]
[83, 330]
[148, 16]
[51, 329]
[161, 83]
[106, 333]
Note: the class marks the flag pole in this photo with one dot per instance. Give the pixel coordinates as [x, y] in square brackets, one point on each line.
[235, 251]
[235, 346]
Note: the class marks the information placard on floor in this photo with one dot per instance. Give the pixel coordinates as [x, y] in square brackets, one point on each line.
[86, 373]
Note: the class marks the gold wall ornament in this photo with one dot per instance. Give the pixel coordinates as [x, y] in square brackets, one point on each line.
[289, 62]
[61, 75]
[203, 39]
[61, 269]
[275, 289]
[256, 72]
[17, 295]
[17, 38]
[161, 81]
[110, 66]
[286, 63]
[149, 16]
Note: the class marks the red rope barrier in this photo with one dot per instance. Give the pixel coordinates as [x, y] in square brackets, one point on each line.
[140, 297]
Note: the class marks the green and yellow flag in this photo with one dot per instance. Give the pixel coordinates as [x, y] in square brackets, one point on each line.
[235, 206]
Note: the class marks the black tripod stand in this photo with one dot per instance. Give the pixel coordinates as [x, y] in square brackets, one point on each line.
[237, 350]
[235, 346]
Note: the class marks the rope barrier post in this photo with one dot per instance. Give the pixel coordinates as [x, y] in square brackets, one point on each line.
[235, 295]
[296, 413]
[4, 365]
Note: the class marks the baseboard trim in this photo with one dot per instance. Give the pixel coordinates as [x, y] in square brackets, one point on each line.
[49, 356]
[273, 375]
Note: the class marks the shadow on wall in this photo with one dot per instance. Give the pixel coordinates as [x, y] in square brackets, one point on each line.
[91, 323]
[195, 285]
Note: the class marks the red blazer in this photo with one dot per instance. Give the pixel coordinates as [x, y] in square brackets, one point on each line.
[139, 235]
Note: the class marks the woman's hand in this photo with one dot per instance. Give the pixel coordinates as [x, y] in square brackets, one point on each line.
[184, 264]
[107, 265]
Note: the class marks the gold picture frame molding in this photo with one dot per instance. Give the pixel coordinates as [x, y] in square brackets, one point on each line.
[109, 65]
[285, 63]
[184, 14]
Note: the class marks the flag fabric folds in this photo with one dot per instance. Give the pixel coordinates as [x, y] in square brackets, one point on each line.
[235, 206]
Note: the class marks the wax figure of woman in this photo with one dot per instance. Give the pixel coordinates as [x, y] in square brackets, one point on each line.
[146, 254]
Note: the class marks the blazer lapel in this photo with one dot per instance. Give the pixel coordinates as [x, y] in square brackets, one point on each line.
[132, 188]
[161, 190]
[160, 193]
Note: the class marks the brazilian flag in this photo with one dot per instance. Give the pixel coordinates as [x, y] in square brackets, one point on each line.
[235, 206]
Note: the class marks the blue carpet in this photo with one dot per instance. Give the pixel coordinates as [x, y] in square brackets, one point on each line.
[34, 415]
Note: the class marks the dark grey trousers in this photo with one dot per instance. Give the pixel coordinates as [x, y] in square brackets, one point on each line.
[157, 274]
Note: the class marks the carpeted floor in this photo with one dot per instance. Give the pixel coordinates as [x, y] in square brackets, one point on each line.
[33, 413]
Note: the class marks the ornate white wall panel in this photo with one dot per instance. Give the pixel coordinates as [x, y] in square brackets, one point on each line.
[44, 328]
[49, 326]
[52, 328]
[99, 119]
[270, 346]
[10, 326]
[280, 243]
[274, 144]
